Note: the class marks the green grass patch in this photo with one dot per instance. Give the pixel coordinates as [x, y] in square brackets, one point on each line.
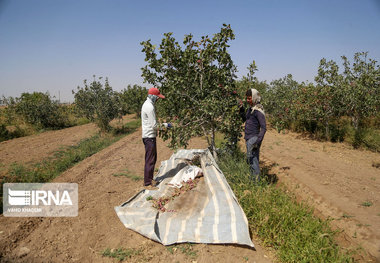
[61, 160]
[367, 204]
[120, 254]
[126, 128]
[285, 225]
[347, 216]
[129, 175]
[186, 248]
[368, 138]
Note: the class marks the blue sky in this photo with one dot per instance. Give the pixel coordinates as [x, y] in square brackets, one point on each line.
[53, 45]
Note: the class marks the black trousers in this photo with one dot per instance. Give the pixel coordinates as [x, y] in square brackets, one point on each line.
[150, 159]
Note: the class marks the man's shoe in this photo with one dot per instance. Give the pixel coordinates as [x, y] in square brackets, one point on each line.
[150, 187]
[154, 183]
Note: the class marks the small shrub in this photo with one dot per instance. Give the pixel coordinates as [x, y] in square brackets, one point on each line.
[4, 133]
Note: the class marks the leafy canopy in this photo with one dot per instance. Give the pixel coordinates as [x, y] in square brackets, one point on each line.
[132, 99]
[38, 109]
[197, 79]
[98, 103]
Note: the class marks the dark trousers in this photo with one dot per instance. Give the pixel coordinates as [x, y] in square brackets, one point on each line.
[253, 157]
[150, 159]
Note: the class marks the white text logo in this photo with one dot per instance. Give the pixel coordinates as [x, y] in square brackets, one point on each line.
[38, 197]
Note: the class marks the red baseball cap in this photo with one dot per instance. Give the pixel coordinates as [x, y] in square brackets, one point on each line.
[155, 91]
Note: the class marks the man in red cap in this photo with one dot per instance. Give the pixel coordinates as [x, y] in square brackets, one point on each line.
[150, 126]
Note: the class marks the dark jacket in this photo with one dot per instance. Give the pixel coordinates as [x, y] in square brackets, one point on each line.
[255, 124]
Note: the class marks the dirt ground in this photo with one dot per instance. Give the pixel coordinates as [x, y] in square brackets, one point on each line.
[334, 178]
[97, 227]
[37, 147]
[342, 184]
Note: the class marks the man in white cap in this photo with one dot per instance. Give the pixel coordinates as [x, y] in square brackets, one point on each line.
[150, 126]
[254, 131]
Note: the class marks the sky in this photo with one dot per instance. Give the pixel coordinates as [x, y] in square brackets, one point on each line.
[53, 45]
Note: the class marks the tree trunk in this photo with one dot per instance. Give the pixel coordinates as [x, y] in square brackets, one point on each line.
[327, 130]
[355, 122]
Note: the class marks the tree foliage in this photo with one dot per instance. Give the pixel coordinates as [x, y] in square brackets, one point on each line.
[353, 92]
[361, 87]
[250, 81]
[279, 98]
[197, 79]
[38, 109]
[98, 102]
[132, 99]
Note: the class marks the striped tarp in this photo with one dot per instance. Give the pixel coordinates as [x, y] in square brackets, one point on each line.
[209, 213]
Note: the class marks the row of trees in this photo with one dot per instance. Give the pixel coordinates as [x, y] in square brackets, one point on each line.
[95, 101]
[352, 94]
[199, 80]
[99, 103]
[36, 108]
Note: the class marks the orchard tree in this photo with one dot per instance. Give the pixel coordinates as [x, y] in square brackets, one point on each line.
[251, 82]
[132, 99]
[197, 79]
[354, 93]
[97, 103]
[250, 78]
[361, 88]
[38, 109]
[280, 98]
[305, 107]
[329, 93]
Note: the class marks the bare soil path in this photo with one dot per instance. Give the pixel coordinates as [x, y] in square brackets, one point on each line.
[97, 227]
[340, 182]
[37, 147]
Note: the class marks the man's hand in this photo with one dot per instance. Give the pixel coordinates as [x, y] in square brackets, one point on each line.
[168, 125]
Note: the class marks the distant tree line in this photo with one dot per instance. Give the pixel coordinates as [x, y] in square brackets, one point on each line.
[95, 102]
[203, 96]
[342, 104]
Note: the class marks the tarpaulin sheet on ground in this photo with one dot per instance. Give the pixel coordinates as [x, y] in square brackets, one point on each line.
[209, 213]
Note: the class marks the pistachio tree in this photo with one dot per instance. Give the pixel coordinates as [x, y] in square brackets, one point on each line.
[328, 93]
[38, 109]
[197, 78]
[98, 103]
[279, 99]
[354, 93]
[132, 98]
[361, 87]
